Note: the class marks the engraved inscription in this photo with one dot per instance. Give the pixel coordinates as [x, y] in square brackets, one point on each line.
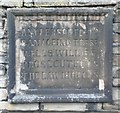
[61, 53]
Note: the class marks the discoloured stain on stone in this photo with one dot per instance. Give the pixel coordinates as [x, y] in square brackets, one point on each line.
[64, 55]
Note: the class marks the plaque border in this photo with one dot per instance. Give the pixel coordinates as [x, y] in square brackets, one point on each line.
[57, 95]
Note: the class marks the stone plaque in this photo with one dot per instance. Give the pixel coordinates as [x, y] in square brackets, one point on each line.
[60, 55]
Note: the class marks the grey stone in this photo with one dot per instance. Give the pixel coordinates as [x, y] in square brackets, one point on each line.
[116, 60]
[3, 95]
[3, 45]
[116, 50]
[3, 81]
[19, 3]
[107, 106]
[115, 93]
[108, 111]
[63, 106]
[74, 2]
[2, 70]
[117, 102]
[3, 58]
[118, 4]
[65, 60]
[111, 111]
[116, 71]
[5, 111]
[117, 16]
[116, 82]
[11, 3]
[1, 30]
[116, 27]
[19, 107]
[2, 12]
[116, 38]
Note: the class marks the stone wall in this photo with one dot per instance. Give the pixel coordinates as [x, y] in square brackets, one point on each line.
[5, 106]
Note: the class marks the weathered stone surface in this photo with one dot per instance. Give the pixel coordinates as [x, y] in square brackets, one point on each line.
[116, 93]
[98, 106]
[73, 2]
[1, 46]
[1, 25]
[3, 58]
[2, 12]
[11, 3]
[116, 50]
[118, 4]
[3, 94]
[19, 107]
[116, 82]
[55, 2]
[116, 60]
[63, 107]
[2, 82]
[6, 111]
[2, 69]
[4, 44]
[116, 28]
[117, 16]
[1, 33]
[117, 102]
[116, 71]
[94, 106]
[116, 38]
[107, 106]
[113, 111]
[63, 55]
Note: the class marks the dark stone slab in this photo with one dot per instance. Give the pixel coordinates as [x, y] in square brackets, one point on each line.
[60, 55]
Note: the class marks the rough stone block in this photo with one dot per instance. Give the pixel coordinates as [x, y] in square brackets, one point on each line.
[1, 25]
[117, 102]
[118, 5]
[116, 82]
[116, 60]
[3, 82]
[5, 111]
[80, 1]
[11, 3]
[1, 33]
[117, 16]
[105, 111]
[94, 106]
[3, 59]
[116, 27]
[108, 111]
[116, 72]
[2, 13]
[3, 94]
[2, 69]
[116, 92]
[107, 106]
[63, 106]
[116, 50]
[116, 39]
[19, 107]
[3, 45]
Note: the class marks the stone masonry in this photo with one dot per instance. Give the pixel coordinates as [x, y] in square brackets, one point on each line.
[6, 107]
